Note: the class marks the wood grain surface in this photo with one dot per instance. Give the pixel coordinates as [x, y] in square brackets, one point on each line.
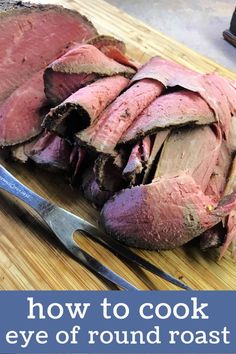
[31, 257]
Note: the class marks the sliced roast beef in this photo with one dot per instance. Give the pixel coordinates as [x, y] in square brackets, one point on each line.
[217, 91]
[108, 174]
[91, 190]
[146, 147]
[231, 235]
[21, 114]
[169, 73]
[164, 214]
[193, 151]
[51, 151]
[32, 36]
[104, 135]
[83, 107]
[221, 97]
[152, 161]
[77, 158]
[86, 58]
[231, 222]
[114, 49]
[138, 159]
[231, 139]
[213, 237]
[79, 66]
[174, 109]
[104, 43]
[217, 182]
[59, 86]
[134, 165]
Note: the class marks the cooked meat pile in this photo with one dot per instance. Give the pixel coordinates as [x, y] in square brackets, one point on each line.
[152, 145]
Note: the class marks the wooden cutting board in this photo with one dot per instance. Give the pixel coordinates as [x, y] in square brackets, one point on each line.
[30, 256]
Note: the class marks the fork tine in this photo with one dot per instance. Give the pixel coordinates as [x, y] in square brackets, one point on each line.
[62, 221]
[64, 224]
[126, 253]
[99, 268]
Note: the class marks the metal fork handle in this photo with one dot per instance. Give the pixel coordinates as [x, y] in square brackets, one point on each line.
[11, 185]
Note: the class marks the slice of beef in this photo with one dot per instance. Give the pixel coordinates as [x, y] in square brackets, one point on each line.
[82, 108]
[231, 138]
[174, 109]
[104, 43]
[51, 151]
[108, 174]
[231, 222]
[231, 236]
[193, 151]
[213, 237]
[169, 73]
[104, 135]
[21, 114]
[218, 92]
[134, 165]
[152, 161]
[79, 66]
[59, 86]
[114, 49]
[221, 96]
[217, 182]
[164, 214]
[137, 161]
[91, 190]
[146, 147]
[77, 158]
[32, 36]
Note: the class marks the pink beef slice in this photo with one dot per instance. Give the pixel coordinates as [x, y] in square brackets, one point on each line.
[231, 139]
[218, 92]
[102, 42]
[217, 182]
[108, 174]
[169, 73]
[114, 49]
[91, 190]
[221, 96]
[51, 151]
[164, 214]
[59, 86]
[134, 163]
[22, 112]
[213, 237]
[157, 144]
[77, 158]
[32, 36]
[216, 189]
[174, 109]
[138, 159]
[85, 63]
[231, 236]
[104, 135]
[231, 221]
[194, 151]
[83, 107]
